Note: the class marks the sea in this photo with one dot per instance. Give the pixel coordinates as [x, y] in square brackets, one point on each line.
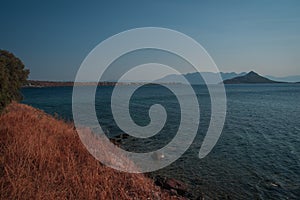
[256, 157]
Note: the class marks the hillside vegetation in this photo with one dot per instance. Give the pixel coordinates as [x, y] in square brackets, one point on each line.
[43, 158]
[13, 76]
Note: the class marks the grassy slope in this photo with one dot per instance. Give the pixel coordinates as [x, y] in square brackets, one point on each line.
[43, 158]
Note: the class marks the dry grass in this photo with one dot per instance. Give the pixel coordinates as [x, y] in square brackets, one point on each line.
[43, 158]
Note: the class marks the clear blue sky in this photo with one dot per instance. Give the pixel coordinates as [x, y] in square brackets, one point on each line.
[53, 37]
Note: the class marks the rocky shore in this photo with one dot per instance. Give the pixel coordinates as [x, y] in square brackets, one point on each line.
[43, 158]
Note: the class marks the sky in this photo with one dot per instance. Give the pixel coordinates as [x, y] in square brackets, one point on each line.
[52, 38]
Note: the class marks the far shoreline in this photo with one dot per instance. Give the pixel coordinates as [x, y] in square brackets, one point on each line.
[41, 84]
[46, 84]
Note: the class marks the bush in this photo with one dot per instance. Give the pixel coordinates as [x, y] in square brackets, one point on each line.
[12, 77]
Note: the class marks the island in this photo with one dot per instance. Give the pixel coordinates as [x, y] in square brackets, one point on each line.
[250, 78]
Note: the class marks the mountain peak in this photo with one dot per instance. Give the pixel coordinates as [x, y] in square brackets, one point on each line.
[251, 77]
[252, 73]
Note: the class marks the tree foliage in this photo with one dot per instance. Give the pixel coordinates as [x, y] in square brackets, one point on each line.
[13, 76]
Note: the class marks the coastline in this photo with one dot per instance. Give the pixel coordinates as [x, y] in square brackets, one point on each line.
[43, 157]
[41, 84]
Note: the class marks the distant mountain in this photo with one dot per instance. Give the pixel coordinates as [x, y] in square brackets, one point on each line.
[196, 78]
[291, 79]
[251, 77]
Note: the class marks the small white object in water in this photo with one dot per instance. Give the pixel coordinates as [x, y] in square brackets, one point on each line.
[274, 184]
[157, 156]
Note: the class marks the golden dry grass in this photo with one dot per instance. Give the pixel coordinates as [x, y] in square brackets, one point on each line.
[43, 158]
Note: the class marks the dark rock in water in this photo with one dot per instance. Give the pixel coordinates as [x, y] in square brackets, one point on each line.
[122, 136]
[125, 136]
[115, 141]
[172, 185]
[179, 186]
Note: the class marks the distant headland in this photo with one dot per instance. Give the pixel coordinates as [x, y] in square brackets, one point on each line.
[35, 83]
[38, 84]
[250, 78]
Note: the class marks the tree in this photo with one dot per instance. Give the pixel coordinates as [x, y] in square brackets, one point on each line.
[13, 76]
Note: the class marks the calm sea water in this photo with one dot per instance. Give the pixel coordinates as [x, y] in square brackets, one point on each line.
[257, 156]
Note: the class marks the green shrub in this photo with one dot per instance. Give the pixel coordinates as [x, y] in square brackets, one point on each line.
[12, 77]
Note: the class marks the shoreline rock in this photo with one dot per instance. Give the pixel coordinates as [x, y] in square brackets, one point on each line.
[174, 186]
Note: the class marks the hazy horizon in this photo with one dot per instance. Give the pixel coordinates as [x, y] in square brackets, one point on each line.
[136, 79]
